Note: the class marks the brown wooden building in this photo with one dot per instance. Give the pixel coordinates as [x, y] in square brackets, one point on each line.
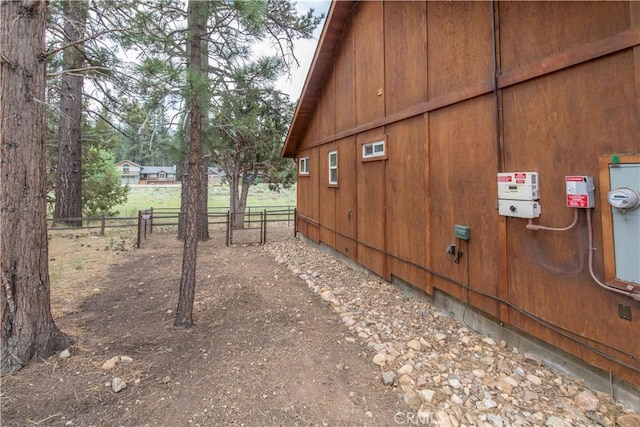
[409, 112]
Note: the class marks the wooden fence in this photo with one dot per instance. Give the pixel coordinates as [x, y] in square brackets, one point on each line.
[255, 218]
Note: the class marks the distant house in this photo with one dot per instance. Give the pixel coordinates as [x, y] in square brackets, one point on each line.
[130, 172]
[133, 173]
[158, 175]
[216, 176]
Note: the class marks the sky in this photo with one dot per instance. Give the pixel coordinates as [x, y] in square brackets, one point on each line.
[304, 49]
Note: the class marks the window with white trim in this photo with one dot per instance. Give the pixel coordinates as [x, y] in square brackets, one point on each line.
[333, 168]
[373, 149]
[304, 166]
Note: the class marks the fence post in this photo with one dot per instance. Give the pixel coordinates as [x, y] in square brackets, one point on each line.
[295, 222]
[264, 221]
[102, 224]
[228, 227]
[139, 224]
[151, 220]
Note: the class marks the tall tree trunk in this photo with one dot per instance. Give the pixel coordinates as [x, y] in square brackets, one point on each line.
[182, 219]
[195, 79]
[27, 328]
[239, 191]
[203, 201]
[203, 190]
[236, 205]
[69, 181]
[203, 204]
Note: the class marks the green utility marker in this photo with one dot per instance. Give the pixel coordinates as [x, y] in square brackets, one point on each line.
[462, 232]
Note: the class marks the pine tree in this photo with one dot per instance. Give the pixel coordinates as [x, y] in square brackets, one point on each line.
[27, 329]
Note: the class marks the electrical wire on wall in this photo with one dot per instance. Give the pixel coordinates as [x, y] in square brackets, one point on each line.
[629, 292]
[532, 226]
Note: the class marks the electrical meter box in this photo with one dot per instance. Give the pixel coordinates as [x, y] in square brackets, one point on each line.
[518, 186]
[625, 216]
[519, 208]
[580, 191]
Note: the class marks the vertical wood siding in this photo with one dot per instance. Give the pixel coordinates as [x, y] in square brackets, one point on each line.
[346, 199]
[545, 86]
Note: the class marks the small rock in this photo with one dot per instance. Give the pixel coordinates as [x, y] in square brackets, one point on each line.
[489, 341]
[587, 401]
[479, 373]
[117, 384]
[489, 403]
[628, 420]
[440, 337]
[349, 320]
[426, 395]
[532, 359]
[380, 359]
[166, 380]
[455, 383]
[406, 369]
[441, 419]
[457, 399]
[126, 359]
[327, 296]
[554, 421]
[495, 420]
[414, 345]
[111, 363]
[411, 399]
[504, 387]
[391, 350]
[65, 354]
[406, 379]
[388, 378]
[534, 379]
[519, 371]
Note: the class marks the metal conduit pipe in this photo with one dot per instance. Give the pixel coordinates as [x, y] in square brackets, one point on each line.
[630, 294]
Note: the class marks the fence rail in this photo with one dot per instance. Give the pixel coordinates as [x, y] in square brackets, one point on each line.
[147, 219]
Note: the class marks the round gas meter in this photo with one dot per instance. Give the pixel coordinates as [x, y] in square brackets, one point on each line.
[624, 198]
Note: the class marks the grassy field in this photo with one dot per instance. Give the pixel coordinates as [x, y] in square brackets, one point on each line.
[147, 196]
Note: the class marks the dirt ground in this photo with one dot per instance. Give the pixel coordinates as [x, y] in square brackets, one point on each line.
[264, 350]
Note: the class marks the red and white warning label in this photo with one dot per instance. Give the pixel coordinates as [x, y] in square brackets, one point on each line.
[518, 186]
[580, 191]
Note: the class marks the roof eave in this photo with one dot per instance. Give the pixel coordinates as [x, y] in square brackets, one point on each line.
[337, 17]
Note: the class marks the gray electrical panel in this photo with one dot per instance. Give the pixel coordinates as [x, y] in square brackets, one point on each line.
[626, 224]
